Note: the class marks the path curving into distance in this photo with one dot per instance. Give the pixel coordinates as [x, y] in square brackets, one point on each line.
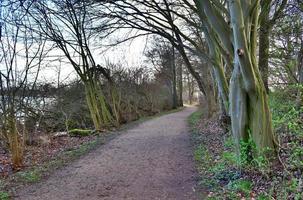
[152, 161]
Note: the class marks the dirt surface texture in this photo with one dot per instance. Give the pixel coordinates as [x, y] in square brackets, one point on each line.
[152, 161]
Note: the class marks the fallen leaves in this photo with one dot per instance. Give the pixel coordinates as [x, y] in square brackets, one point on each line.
[38, 154]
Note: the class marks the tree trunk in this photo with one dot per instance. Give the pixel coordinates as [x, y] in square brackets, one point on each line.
[264, 33]
[174, 80]
[180, 85]
[300, 76]
[222, 85]
[210, 103]
[97, 106]
[218, 70]
[210, 97]
[190, 88]
[116, 103]
[250, 113]
[15, 144]
[249, 109]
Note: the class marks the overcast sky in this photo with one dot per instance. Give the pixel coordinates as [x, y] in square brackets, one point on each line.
[130, 54]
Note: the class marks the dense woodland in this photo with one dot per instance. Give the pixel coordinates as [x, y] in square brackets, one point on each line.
[242, 61]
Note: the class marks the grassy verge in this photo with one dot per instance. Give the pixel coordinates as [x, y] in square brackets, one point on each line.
[37, 173]
[224, 176]
[216, 162]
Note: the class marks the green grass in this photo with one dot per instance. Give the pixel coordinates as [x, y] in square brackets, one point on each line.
[199, 153]
[230, 157]
[215, 169]
[4, 196]
[220, 171]
[244, 186]
[83, 149]
[30, 176]
[229, 142]
[194, 118]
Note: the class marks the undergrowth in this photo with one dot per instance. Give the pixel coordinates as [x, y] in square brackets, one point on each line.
[36, 173]
[225, 175]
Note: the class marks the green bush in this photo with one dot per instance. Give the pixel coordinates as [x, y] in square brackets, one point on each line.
[80, 132]
[285, 113]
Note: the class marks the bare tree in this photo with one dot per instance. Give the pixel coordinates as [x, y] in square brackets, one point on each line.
[266, 24]
[20, 60]
[162, 56]
[68, 24]
[164, 19]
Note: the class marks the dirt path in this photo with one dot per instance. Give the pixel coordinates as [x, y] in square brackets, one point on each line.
[152, 161]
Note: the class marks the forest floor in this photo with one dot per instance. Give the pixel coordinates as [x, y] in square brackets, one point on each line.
[223, 176]
[152, 160]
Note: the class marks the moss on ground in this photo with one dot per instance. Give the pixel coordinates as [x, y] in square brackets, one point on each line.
[80, 132]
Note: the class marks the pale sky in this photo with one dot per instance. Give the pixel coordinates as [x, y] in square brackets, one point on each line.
[130, 54]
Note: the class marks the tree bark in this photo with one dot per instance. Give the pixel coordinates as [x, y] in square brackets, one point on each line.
[300, 76]
[265, 28]
[190, 88]
[174, 80]
[180, 85]
[250, 113]
[97, 105]
[218, 69]
[210, 97]
[14, 140]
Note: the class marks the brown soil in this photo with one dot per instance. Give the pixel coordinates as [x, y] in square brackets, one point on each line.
[151, 161]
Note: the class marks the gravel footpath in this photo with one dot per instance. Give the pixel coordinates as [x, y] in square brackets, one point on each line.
[152, 161]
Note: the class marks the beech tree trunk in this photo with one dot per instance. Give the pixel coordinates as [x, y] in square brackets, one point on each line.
[210, 97]
[248, 103]
[250, 113]
[218, 70]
